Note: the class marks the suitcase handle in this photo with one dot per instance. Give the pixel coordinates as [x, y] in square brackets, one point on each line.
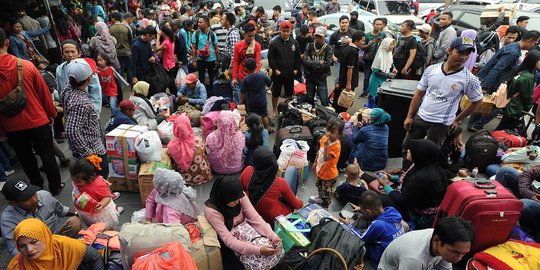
[484, 185]
[295, 129]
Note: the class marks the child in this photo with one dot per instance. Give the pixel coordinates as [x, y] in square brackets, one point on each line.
[91, 194]
[106, 79]
[351, 191]
[253, 92]
[327, 159]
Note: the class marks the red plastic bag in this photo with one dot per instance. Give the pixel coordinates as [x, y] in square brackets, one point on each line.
[172, 256]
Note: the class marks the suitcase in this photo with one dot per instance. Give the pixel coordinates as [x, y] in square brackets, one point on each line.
[299, 133]
[222, 88]
[316, 123]
[509, 138]
[492, 209]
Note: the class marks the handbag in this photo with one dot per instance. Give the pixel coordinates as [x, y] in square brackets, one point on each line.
[15, 101]
[346, 99]
[500, 98]
[246, 233]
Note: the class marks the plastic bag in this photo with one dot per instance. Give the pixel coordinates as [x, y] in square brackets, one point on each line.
[180, 77]
[293, 153]
[161, 101]
[172, 256]
[148, 146]
[165, 131]
[139, 216]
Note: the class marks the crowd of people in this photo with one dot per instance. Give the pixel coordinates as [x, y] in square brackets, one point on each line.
[57, 78]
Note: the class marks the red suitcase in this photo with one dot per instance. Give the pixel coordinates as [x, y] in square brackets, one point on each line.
[509, 138]
[492, 209]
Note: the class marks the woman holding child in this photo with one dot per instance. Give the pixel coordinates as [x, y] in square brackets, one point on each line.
[370, 138]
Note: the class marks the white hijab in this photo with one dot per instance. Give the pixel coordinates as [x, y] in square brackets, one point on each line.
[383, 59]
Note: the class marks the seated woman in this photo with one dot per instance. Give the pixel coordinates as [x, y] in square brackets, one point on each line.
[271, 195]
[40, 249]
[145, 114]
[423, 185]
[256, 136]
[189, 153]
[371, 141]
[226, 145]
[171, 201]
[227, 208]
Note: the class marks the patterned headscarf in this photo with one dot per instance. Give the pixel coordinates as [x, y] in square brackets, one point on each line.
[227, 139]
[105, 45]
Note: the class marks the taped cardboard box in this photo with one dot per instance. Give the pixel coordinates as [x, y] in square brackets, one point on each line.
[207, 252]
[117, 168]
[123, 138]
[123, 184]
[491, 12]
[147, 171]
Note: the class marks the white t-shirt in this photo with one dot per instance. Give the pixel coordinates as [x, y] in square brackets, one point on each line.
[400, 255]
[444, 92]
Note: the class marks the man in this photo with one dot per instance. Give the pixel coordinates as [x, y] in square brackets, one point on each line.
[221, 34]
[215, 17]
[217, 7]
[373, 40]
[239, 14]
[313, 21]
[432, 111]
[122, 116]
[188, 16]
[123, 36]
[128, 21]
[243, 50]
[340, 40]
[522, 21]
[203, 10]
[317, 60]
[332, 7]
[425, 33]
[512, 34]
[355, 23]
[446, 36]
[405, 51]
[430, 248]
[29, 24]
[82, 123]
[284, 60]
[348, 71]
[30, 129]
[28, 201]
[186, 32]
[141, 58]
[499, 69]
[296, 30]
[233, 35]
[259, 12]
[192, 91]
[204, 59]
[180, 49]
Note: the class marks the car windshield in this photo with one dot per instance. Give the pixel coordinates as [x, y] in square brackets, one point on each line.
[392, 7]
[531, 1]
[268, 5]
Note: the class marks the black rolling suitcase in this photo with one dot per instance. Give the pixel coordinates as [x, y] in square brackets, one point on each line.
[222, 88]
[299, 133]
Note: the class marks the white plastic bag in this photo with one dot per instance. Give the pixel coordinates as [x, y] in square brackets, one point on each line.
[148, 146]
[293, 153]
[139, 216]
[161, 101]
[180, 77]
[165, 131]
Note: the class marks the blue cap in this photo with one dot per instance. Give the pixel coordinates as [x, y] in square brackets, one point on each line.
[463, 44]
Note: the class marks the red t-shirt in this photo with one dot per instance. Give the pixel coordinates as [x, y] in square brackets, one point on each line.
[98, 189]
[240, 57]
[106, 79]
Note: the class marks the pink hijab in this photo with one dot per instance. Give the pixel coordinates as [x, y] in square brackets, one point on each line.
[226, 140]
[182, 148]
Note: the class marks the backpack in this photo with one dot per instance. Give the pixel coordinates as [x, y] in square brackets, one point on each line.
[481, 150]
[204, 53]
[485, 41]
[420, 59]
[291, 117]
[15, 101]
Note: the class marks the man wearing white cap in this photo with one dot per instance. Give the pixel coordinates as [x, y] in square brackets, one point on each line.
[82, 122]
[317, 60]
[429, 43]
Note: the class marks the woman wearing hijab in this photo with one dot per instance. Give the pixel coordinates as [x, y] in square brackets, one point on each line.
[104, 43]
[227, 208]
[39, 249]
[370, 140]
[423, 185]
[226, 145]
[469, 33]
[189, 153]
[256, 136]
[271, 195]
[382, 66]
[145, 114]
[171, 201]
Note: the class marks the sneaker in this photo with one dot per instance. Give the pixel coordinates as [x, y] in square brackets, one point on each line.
[115, 195]
[314, 199]
[10, 172]
[120, 209]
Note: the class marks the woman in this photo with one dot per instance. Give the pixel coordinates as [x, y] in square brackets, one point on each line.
[225, 145]
[370, 141]
[188, 152]
[423, 185]
[271, 195]
[104, 43]
[256, 136]
[21, 45]
[469, 33]
[166, 50]
[520, 92]
[382, 66]
[145, 113]
[227, 208]
[40, 249]
[65, 26]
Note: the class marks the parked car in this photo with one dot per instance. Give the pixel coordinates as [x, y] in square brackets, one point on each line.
[395, 11]
[332, 22]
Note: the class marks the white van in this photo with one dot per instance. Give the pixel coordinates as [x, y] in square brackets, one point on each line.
[396, 11]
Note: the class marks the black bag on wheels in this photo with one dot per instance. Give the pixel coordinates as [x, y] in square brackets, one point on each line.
[298, 133]
[315, 123]
[222, 88]
[481, 150]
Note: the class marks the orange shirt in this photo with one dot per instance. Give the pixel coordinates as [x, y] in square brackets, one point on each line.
[327, 170]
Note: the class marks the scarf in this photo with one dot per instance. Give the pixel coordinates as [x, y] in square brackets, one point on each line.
[383, 58]
[225, 190]
[251, 48]
[319, 52]
[379, 117]
[227, 139]
[172, 192]
[182, 149]
[472, 57]
[264, 174]
[61, 252]
[105, 44]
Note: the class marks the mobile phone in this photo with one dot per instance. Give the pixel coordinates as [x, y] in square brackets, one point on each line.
[347, 211]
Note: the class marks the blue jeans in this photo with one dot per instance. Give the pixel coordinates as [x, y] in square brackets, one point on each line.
[318, 85]
[291, 176]
[478, 121]
[529, 214]
[337, 65]
[112, 103]
[509, 177]
[236, 92]
[367, 75]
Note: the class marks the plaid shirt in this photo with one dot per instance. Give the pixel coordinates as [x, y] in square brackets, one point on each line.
[82, 123]
[233, 37]
[525, 180]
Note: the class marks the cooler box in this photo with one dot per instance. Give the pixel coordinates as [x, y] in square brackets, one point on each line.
[395, 97]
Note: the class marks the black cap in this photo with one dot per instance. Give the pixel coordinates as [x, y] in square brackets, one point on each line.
[19, 190]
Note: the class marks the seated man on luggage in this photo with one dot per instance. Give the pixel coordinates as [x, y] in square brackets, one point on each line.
[435, 248]
[384, 225]
[351, 191]
[122, 116]
[192, 92]
[253, 92]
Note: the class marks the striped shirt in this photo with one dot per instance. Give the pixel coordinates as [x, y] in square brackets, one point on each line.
[221, 34]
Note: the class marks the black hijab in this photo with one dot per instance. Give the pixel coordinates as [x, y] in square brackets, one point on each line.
[264, 174]
[225, 190]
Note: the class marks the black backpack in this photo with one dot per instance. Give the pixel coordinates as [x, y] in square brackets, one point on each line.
[291, 117]
[486, 41]
[481, 150]
[420, 59]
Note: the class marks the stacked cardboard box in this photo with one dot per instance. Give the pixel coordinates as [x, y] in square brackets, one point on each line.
[146, 174]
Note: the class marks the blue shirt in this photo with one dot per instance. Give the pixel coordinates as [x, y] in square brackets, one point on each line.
[94, 88]
[203, 38]
[196, 96]
[253, 87]
[500, 67]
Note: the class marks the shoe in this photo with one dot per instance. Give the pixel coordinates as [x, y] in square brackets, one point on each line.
[56, 193]
[10, 172]
[115, 195]
[65, 163]
[471, 129]
[120, 209]
[314, 199]
[363, 95]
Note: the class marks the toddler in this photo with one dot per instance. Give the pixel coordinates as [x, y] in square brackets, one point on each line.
[351, 190]
[106, 78]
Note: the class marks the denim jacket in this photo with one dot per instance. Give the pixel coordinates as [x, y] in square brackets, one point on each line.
[18, 48]
[498, 69]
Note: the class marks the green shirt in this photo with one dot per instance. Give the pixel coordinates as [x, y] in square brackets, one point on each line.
[524, 85]
[121, 33]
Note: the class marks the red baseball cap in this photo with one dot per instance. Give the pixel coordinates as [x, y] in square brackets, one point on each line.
[127, 105]
[191, 78]
[285, 25]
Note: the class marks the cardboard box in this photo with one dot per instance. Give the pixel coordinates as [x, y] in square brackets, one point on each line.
[117, 167]
[147, 171]
[123, 138]
[485, 108]
[313, 213]
[123, 184]
[207, 252]
[491, 13]
[289, 234]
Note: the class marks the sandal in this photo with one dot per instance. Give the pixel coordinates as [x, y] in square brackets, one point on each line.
[62, 185]
[271, 130]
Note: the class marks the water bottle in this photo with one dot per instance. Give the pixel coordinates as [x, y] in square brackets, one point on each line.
[474, 172]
